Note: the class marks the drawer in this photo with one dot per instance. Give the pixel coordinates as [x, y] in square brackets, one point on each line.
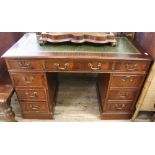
[78, 66]
[28, 79]
[32, 95]
[133, 66]
[124, 94]
[126, 80]
[24, 64]
[59, 65]
[34, 106]
[119, 106]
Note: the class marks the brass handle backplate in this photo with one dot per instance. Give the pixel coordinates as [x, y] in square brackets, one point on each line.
[65, 67]
[119, 107]
[125, 78]
[32, 95]
[24, 64]
[28, 80]
[94, 68]
[34, 107]
[128, 67]
[123, 95]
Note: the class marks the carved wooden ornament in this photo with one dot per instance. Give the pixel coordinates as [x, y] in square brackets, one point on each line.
[78, 37]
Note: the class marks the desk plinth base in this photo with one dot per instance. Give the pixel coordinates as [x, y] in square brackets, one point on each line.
[115, 116]
[32, 115]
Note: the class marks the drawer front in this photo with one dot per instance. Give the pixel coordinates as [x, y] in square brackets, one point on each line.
[25, 64]
[119, 106]
[32, 95]
[133, 66]
[126, 80]
[28, 79]
[125, 94]
[59, 65]
[34, 106]
[89, 66]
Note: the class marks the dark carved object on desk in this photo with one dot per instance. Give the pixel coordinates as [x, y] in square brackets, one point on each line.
[78, 37]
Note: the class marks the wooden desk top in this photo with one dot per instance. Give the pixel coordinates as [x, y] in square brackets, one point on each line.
[28, 47]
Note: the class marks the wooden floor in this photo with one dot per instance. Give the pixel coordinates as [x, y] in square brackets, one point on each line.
[76, 100]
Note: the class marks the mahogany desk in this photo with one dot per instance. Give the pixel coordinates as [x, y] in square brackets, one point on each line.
[33, 70]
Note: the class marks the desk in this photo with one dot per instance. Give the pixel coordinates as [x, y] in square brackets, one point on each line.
[33, 70]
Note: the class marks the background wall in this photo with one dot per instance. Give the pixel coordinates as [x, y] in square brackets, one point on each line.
[147, 41]
[7, 39]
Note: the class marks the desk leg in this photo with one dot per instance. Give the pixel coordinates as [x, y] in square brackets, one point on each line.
[52, 85]
[103, 84]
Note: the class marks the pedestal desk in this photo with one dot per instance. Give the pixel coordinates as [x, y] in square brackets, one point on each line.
[33, 70]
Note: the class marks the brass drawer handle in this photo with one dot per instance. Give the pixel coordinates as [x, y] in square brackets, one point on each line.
[127, 66]
[130, 78]
[62, 68]
[24, 64]
[124, 95]
[94, 68]
[28, 80]
[119, 107]
[34, 107]
[33, 95]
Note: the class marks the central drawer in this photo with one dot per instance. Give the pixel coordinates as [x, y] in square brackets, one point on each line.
[90, 66]
[26, 79]
[31, 94]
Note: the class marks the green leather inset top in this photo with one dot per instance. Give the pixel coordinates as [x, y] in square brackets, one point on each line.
[124, 46]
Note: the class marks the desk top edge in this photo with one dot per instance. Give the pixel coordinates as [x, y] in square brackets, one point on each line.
[14, 52]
